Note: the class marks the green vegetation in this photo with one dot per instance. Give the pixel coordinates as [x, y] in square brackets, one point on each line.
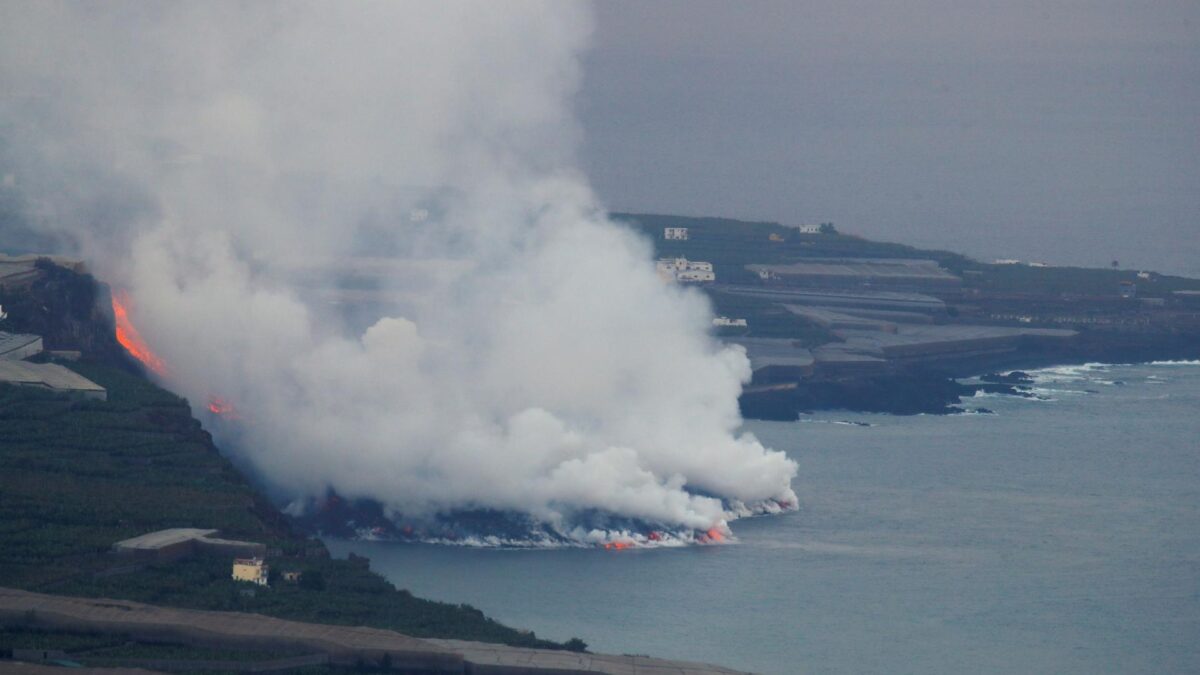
[732, 244]
[350, 596]
[77, 476]
[1080, 281]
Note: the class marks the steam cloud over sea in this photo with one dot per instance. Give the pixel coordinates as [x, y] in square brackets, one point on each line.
[211, 159]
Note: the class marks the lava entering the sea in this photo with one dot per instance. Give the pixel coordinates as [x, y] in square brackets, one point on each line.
[130, 339]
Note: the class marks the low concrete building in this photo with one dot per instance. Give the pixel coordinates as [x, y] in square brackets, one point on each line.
[17, 346]
[776, 359]
[894, 273]
[184, 542]
[675, 233]
[253, 570]
[727, 322]
[50, 376]
[933, 345]
[683, 270]
[845, 299]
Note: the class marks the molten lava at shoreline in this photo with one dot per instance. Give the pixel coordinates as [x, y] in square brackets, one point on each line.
[130, 339]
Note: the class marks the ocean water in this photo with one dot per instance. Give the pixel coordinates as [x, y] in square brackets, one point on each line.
[1059, 535]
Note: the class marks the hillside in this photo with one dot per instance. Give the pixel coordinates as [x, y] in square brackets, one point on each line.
[830, 320]
[77, 476]
[732, 244]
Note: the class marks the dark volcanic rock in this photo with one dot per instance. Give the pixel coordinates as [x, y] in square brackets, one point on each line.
[897, 394]
[1016, 377]
[70, 310]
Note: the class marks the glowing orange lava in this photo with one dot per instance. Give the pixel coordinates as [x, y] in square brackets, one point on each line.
[222, 408]
[617, 545]
[715, 535]
[130, 339]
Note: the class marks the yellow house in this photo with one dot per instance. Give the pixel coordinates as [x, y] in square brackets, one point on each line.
[253, 570]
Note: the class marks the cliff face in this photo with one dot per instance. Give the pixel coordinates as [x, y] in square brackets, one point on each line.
[69, 309]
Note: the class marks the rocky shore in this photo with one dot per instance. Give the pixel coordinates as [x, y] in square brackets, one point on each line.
[935, 386]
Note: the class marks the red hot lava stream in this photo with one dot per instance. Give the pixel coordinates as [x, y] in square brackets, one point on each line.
[131, 340]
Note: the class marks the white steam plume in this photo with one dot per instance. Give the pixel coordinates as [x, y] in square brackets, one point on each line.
[211, 158]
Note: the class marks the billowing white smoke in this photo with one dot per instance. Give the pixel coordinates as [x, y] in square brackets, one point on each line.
[202, 153]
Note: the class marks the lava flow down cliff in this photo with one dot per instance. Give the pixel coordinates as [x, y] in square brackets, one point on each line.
[384, 252]
[129, 337]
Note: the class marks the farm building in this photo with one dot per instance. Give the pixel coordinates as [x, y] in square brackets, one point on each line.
[684, 270]
[50, 376]
[184, 542]
[19, 346]
[857, 272]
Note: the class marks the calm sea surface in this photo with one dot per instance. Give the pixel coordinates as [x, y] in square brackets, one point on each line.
[1056, 536]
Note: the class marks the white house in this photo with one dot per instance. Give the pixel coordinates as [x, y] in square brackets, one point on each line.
[724, 321]
[675, 233]
[683, 270]
[809, 229]
[253, 570]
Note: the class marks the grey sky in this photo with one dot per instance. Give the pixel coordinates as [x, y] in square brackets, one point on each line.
[1060, 131]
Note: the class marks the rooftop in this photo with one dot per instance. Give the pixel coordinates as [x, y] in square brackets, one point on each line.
[764, 352]
[11, 342]
[931, 340]
[49, 376]
[827, 297]
[162, 538]
[21, 269]
[890, 268]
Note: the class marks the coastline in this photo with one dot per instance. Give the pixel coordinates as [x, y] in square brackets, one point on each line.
[936, 388]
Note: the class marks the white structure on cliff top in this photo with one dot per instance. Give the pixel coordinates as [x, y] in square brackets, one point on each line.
[675, 233]
[726, 322]
[683, 270]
